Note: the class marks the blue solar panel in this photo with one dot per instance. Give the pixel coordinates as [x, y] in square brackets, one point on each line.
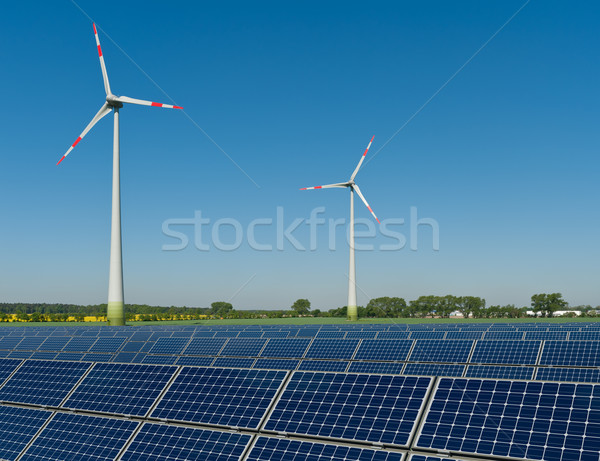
[361, 334]
[332, 348]
[195, 361]
[376, 367]
[17, 428]
[147, 346]
[512, 335]
[73, 356]
[233, 362]
[73, 437]
[546, 335]
[587, 375]
[286, 348]
[44, 355]
[159, 359]
[243, 347]
[332, 334]
[110, 345]
[160, 442]
[393, 334]
[524, 420]
[79, 344]
[140, 336]
[275, 334]
[9, 342]
[169, 346]
[506, 352]
[427, 335]
[276, 364]
[220, 396]
[132, 346]
[323, 365]
[439, 350]
[277, 449]
[30, 343]
[571, 353]
[41, 382]
[250, 334]
[369, 408]
[54, 343]
[205, 346]
[464, 335]
[127, 389]
[19, 354]
[384, 349]
[584, 335]
[97, 357]
[499, 372]
[434, 369]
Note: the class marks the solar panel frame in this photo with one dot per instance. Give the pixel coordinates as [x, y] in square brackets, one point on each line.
[441, 350]
[501, 352]
[571, 353]
[580, 375]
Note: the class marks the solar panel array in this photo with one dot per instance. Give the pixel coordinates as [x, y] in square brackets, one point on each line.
[364, 392]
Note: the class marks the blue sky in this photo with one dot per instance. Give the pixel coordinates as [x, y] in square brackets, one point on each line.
[504, 158]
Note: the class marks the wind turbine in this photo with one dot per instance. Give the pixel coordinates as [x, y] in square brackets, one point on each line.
[350, 184]
[115, 314]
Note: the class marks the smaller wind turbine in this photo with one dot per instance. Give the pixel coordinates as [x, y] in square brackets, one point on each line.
[115, 313]
[352, 310]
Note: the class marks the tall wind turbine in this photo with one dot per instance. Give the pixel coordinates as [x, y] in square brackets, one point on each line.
[350, 184]
[115, 312]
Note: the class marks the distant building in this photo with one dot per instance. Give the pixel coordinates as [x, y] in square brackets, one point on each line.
[563, 313]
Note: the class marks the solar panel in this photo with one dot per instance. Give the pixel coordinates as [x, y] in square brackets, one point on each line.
[243, 347]
[9, 343]
[30, 343]
[427, 335]
[44, 355]
[332, 334]
[73, 356]
[464, 335]
[204, 346]
[547, 335]
[195, 361]
[132, 346]
[332, 348]
[393, 335]
[124, 357]
[107, 345]
[384, 349]
[506, 352]
[97, 357]
[42, 382]
[499, 372]
[20, 354]
[323, 365]
[140, 336]
[220, 396]
[370, 408]
[79, 344]
[361, 334]
[524, 420]
[276, 364]
[17, 428]
[512, 335]
[439, 350]
[173, 443]
[587, 375]
[54, 343]
[159, 359]
[286, 348]
[250, 334]
[277, 449]
[275, 334]
[434, 369]
[127, 389]
[376, 367]
[169, 346]
[147, 346]
[584, 335]
[71, 437]
[233, 362]
[571, 353]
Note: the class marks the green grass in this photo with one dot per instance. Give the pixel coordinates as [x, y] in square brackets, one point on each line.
[306, 321]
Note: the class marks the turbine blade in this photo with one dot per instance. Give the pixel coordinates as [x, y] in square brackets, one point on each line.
[141, 102]
[102, 65]
[327, 186]
[361, 160]
[357, 189]
[105, 109]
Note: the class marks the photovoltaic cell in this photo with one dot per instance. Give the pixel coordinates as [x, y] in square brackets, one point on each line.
[571, 353]
[286, 348]
[506, 352]
[73, 437]
[126, 389]
[323, 365]
[276, 449]
[42, 382]
[440, 350]
[205, 346]
[243, 347]
[524, 420]
[332, 348]
[384, 349]
[499, 372]
[369, 408]
[587, 375]
[17, 428]
[160, 442]
[220, 396]
[376, 367]
[434, 369]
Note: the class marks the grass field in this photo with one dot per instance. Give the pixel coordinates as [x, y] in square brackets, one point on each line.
[307, 321]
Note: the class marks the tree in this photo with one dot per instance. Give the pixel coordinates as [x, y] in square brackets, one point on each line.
[547, 304]
[301, 306]
[221, 308]
[385, 307]
[470, 306]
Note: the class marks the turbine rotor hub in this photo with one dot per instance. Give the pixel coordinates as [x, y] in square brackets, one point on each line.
[112, 101]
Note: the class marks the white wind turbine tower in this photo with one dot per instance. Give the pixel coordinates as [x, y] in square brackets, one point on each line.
[115, 312]
[352, 310]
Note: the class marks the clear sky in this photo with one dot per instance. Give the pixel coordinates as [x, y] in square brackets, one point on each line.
[504, 158]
